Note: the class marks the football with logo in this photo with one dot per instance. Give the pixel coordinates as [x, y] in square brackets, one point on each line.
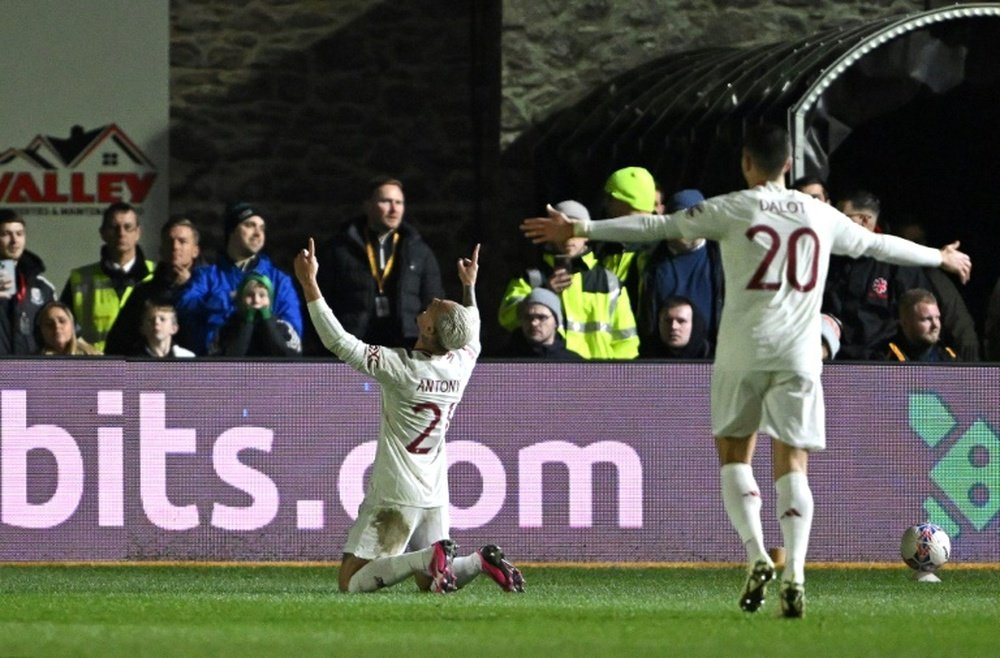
[925, 547]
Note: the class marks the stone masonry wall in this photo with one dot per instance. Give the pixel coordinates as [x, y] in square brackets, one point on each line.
[555, 51]
[295, 104]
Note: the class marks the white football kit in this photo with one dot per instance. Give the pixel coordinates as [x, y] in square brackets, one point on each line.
[776, 245]
[420, 392]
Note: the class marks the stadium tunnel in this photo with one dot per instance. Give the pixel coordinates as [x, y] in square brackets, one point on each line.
[903, 106]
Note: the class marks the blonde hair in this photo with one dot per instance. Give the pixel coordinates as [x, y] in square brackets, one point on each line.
[457, 327]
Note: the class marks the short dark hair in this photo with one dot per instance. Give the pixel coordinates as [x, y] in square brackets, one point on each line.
[861, 200]
[378, 181]
[114, 209]
[803, 181]
[768, 146]
[7, 216]
[180, 220]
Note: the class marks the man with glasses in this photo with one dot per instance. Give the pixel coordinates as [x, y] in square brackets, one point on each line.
[97, 292]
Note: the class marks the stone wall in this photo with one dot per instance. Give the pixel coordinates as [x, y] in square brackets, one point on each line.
[295, 104]
[555, 51]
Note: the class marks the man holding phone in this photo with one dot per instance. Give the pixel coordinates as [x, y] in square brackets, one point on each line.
[597, 316]
[23, 289]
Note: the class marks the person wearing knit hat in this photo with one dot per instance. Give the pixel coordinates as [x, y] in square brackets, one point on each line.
[683, 200]
[252, 329]
[244, 231]
[546, 298]
[630, 190]
[210, 297]
[539, 336]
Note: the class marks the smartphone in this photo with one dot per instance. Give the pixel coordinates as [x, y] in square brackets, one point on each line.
[563, 262]
[8, 272]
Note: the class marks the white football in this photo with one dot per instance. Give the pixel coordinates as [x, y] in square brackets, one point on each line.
[925, 547]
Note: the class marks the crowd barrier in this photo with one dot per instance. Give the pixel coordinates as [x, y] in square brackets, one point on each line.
[104, 459]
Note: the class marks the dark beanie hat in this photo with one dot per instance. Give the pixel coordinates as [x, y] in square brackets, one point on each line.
[7, 215]
[236, 214]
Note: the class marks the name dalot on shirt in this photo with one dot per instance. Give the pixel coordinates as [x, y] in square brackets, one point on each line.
[781, 206]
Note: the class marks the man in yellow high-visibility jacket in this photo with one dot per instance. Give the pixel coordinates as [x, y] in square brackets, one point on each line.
[96, 292]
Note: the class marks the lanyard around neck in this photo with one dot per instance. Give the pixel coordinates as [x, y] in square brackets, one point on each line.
[381, 276]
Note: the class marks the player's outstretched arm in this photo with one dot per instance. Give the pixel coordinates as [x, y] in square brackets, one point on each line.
[306, 267]
[468, 272]
[956, 262]
[557, 227]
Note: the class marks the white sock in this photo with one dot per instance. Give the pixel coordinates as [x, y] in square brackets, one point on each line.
[385, 571]
[795, 513]
[466, 568]
[741, 497]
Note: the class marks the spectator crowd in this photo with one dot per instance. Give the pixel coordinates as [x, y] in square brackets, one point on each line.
[578, 301]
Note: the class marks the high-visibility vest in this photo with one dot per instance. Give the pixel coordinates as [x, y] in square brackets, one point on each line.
[598, 318]
[96, 303]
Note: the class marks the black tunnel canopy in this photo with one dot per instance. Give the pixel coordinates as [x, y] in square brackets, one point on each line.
[904, 106]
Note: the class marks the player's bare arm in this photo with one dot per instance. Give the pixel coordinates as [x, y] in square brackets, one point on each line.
[306, 267]
[956, 262]
[468, 271]
[557, 227]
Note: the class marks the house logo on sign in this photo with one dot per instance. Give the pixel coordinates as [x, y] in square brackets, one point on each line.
[76, 175]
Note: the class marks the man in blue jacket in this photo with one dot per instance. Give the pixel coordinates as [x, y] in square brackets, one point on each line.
[208, 300]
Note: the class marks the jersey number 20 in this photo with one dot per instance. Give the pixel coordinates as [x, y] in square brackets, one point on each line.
[758, 280]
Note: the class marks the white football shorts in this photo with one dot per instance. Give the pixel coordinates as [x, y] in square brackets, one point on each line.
[388, 529]
[787, 406]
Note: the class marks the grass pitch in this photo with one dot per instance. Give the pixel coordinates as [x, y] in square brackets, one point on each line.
[295, 611]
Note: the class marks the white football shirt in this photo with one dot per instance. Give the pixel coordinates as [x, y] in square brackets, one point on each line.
[776, 245]
[419, 394]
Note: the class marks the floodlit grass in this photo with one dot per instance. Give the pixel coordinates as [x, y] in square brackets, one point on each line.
[295, 612]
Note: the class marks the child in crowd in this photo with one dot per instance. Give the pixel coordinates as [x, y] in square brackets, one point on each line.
[253, 330]
[159, 326]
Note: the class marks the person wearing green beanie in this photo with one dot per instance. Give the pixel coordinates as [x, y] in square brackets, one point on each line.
[630, 190]
[253, 329]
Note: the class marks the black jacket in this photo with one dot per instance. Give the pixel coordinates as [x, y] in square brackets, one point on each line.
[17, 314]
[269, 336]
[519, 348]
[863, 294]
[125, 337]
[347, 284]
[901, 349]
[698, 346]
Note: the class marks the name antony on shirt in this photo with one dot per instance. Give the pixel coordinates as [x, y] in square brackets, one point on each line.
[439, 386]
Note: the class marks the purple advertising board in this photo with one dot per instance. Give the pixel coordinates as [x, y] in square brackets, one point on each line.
[181, 460]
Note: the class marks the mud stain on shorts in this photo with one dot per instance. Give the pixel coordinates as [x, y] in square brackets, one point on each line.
[392, 530]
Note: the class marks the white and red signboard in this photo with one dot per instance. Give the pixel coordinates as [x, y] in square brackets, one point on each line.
[85, 122]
